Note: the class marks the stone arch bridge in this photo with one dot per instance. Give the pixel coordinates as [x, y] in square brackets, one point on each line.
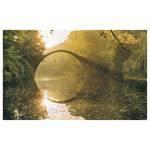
[87, 63]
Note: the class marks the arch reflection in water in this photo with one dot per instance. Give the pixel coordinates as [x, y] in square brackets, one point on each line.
[61, 75]
[56, 111]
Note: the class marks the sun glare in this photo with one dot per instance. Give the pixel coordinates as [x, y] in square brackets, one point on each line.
[53, 37]
[55, 110]
[46, 37]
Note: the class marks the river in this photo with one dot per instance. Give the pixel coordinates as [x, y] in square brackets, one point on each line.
[101, 98]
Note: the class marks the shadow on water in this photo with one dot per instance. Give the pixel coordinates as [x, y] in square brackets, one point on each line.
[23, 102]
[101, 98]
[104, 98]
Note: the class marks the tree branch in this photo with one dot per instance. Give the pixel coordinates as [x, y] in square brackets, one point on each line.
[118, 40]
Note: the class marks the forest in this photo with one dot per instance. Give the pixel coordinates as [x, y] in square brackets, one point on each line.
[22, 50]
[123, 53]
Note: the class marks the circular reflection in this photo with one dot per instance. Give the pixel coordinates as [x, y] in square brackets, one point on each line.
[61, 75]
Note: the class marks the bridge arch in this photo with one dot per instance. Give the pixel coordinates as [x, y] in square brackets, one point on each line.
[83, 60]
[80, 58]
[64, 51]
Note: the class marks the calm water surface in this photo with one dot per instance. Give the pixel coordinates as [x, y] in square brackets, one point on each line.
[100, 98]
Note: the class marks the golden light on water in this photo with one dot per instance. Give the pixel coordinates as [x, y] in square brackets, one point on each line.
[45, 99]
[56, 111]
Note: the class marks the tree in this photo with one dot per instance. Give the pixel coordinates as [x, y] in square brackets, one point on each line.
[22, 52]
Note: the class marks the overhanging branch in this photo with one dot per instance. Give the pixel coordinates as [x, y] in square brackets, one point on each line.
[118, 40]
